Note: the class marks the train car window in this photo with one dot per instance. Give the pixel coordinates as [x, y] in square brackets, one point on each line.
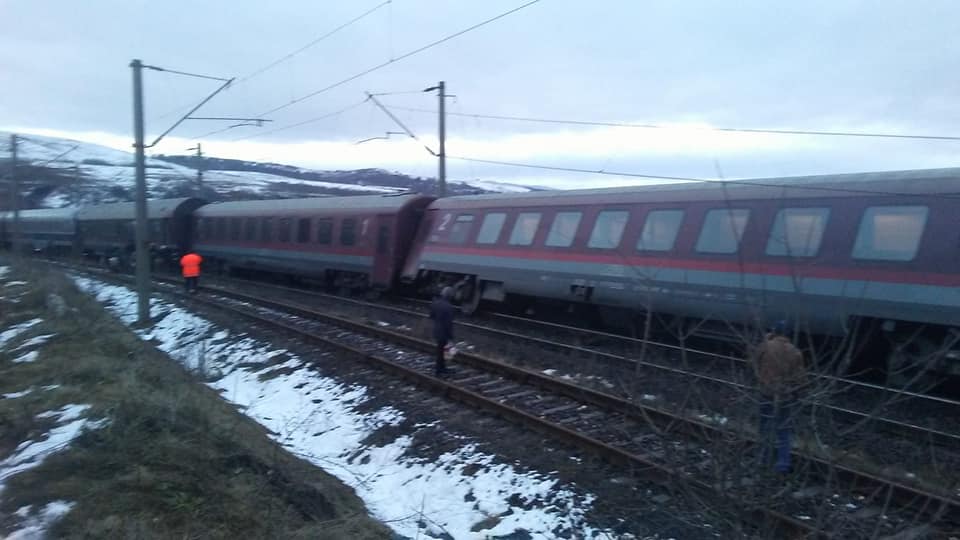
[797, 232]
[221, 228]
[722, 230]
[383, 239]
[491, 227]
[207, 229]
[283, 230]
[461, 229]
[525, 229]
[303, 230]
[250, 229]
[608, 229]
[890, 233]
[235, 225]
[266, 229]
[348, 229]
[564, 229]
[660, 230]
[324, 231]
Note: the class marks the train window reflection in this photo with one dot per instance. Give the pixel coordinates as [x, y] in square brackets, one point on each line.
[722, 230]
[324, 231]
[461, 229]
[249, 229]
[235, 224]
[660, 230]
[890, 233]
[564, 229]
[490, 229]
[303, 230]
[266, 230]
[608, 229]
[348, 232]
[525, 229]
[283, 230]
[797, 232]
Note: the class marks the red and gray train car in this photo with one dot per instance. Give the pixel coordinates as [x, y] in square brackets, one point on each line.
[355, 242]
[838, 255]
[829, 253]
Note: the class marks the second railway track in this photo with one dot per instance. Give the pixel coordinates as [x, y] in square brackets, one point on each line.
[667, 447]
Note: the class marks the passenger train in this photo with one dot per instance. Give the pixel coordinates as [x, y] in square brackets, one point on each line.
[870, 254]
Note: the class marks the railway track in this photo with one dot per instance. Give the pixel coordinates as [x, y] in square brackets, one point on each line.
[653, 441]
[664, 447]
[847, 400]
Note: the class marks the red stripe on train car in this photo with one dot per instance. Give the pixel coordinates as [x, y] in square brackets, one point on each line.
[773, 269]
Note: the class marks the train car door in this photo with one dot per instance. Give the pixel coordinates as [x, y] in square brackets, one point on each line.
[384, 265]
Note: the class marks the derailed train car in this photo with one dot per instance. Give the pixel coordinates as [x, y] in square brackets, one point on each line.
[108, 231]
[357, 242]
[43, 230]
[873, 251]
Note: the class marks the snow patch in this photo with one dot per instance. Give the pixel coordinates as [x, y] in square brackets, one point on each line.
[34, 342]
[27, 358]
[34, 526]
[30, 454]
[317, 418]
[16, 330]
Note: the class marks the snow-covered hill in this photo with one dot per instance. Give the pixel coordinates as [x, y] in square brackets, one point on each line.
[58, 172]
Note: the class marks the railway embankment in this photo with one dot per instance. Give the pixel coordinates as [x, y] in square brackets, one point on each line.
[102, 435]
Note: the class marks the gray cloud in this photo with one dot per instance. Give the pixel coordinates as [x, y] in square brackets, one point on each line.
[817, 65]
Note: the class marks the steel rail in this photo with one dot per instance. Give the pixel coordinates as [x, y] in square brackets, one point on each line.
[930, 502]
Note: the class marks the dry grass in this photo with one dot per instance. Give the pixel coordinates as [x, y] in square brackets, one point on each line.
[174, 459]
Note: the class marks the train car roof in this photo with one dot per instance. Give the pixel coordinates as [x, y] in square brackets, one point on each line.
[905, 183]
[156, 209]
[329, 204]
[42, 214]
[46, 214]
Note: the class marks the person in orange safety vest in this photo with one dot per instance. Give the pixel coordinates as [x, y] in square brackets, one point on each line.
[191, 270]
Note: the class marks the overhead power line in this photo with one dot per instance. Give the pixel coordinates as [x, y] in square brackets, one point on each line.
[744, 182]
[298, 124]
[397, 59]
[288, 56]
[275, 63]
[198, 76]
[574, 169]
[62, 154]
[704, 128]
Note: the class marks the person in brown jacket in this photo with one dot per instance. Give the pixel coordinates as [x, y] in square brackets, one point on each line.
[778, 366]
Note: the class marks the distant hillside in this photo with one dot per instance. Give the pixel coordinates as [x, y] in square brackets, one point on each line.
[359, 177]
[55, 173]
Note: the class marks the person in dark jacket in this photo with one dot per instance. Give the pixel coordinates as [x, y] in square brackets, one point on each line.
[442, 311]
[778, 366]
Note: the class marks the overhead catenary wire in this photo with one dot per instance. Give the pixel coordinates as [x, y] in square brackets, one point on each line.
[322, 37]
[397, 59]
[399, 123]
[741, 182]
[703, 128]
[305, 122]
[157, 68]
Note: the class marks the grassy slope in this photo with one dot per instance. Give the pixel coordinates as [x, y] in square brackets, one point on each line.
[174, 460]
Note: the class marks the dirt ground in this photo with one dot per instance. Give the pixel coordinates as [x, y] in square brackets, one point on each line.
[170, 460]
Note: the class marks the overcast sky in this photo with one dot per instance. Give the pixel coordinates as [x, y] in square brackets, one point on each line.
[878, 65]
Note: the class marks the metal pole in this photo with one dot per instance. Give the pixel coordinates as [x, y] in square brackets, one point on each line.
[14, 195]
[199, 167]
[442, 180]
[143, 259]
